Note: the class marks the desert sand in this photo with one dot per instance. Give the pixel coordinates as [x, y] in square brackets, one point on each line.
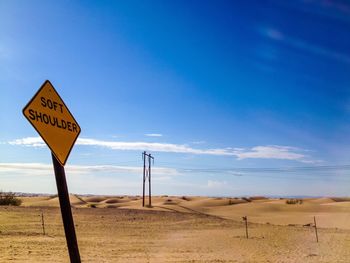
[178, 229]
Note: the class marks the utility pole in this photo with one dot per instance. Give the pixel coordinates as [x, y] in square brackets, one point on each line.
[144, 178]
[147, 173]
[149, 179]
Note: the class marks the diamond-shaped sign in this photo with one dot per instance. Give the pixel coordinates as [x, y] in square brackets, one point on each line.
[52, 119]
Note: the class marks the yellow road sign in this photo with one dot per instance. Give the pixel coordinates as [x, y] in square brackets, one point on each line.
[52, 119]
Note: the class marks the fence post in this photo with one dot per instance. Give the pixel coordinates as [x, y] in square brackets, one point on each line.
[316, 229]
[245, 218]
[43, 222]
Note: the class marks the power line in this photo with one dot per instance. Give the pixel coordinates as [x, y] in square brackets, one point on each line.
[296, 173]
[269, 169]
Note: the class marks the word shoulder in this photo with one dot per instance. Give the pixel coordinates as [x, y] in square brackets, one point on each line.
[53, 121]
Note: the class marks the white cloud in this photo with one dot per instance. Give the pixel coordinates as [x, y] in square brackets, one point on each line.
[198, 142]
[29, 142]
[10, 169]
[216, 184]
[153, 134]
[271, 152]
[257, 152]
[137, 146]
[162, 178]
[45, 169]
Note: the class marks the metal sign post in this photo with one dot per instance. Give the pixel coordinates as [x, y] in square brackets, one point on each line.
[51, 118]
[66, 211]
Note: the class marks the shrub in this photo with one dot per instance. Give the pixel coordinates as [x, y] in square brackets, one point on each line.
[53, 196]
[247, 199]
[9, 198]
[294, 201]
[232, 202]
[236, 201]
[185, 198]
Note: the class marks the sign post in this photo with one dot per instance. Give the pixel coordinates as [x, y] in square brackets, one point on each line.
[51, 118]
[66, 211]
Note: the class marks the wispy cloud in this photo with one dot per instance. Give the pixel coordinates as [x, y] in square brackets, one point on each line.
[153, 135]
[137, 146]
[277, 35]
[155, 147]
[257, 152]
[271, 152]
[29, 142]
[216, 184]
[198, 142]
[45, 169]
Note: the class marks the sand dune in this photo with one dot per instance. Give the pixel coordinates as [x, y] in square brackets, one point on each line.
[214, 202]
[51, 201]
[47, 201]
[339, 204]
[330, 212]
[115, 200]
[179, 229]
[94, 199]
[116, 233]
[323, 200]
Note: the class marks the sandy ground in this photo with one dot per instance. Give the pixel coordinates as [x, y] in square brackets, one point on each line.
[178, 229]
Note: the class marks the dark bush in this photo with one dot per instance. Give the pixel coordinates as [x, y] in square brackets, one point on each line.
[247, 199]
[294, 201]
[9, 198]
[185, 198]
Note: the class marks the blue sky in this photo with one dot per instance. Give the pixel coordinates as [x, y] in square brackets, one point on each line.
[232, 98]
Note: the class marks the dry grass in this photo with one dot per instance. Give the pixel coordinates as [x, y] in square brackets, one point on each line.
[122, 235]
[180, 231]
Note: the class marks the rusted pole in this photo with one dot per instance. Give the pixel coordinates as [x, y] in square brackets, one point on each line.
[316, 229]
[66, 211]
[245, 219]
[43, 222]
